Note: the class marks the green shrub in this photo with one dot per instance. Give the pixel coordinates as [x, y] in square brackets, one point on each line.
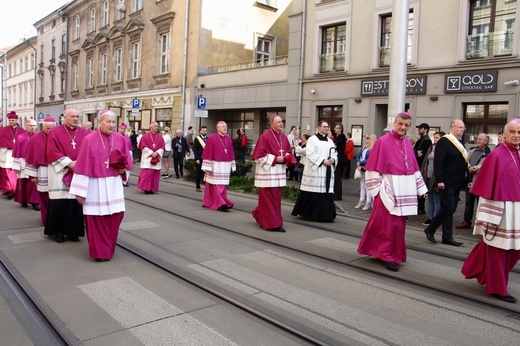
[243, 184]
[242, 169]
[190, 167]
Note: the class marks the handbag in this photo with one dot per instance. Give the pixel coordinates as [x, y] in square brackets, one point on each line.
[357, 174]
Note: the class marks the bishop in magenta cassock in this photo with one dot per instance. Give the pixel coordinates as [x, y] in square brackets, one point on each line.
[272, 154]
[498, 216]
[152, 148]
[26, 191]
[64, 215]
[394, 180]
[218, 160]
[8, 135]
[103, 160]
[36, 164]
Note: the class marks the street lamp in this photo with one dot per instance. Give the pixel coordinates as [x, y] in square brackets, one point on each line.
[3, 101]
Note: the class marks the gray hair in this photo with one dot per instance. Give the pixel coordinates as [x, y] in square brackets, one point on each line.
[103, 114]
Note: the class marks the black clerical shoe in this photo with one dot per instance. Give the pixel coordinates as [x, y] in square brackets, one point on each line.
[36, 206]
[509, 298]
[102, 260]
[429, 236]
[223, 208]
[10, 195]
[451, 241]
[59, 238]
[72, 238]
[25, 205]
[392, 266]
[278, 229]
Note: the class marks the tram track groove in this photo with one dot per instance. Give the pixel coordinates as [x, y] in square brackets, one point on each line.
[353, 264]
[49, 326]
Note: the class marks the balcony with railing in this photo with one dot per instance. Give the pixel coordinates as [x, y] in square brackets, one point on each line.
[334, 62]
[498, 43]
[245, 65]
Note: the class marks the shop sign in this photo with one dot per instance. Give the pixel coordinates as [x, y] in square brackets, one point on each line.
[474, 82]
[379, 87]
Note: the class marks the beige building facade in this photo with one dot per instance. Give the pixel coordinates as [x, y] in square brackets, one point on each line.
[197, 62]
[462, 60]
[51, 64]
[20, 72]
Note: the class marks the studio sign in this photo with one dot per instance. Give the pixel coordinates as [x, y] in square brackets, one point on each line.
[414, 85]
[471, 82]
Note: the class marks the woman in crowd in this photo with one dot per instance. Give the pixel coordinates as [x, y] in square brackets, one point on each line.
[167, 150]
[434, 198]
[365, 199]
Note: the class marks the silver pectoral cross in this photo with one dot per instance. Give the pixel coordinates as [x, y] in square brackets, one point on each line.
[281, 152]
[225, 150]
[14, 140]
[106, 163]
[153, 145]
[73, 144]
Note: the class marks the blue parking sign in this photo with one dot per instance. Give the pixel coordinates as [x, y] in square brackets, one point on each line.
[136, 103]
[201, 103]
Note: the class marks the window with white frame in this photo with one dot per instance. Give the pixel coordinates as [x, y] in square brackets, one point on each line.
[41, 53]
[491, 28]
[333, 47]
[26, 60]
[385, 43]
[103, 59]
[31, 91]
[53, 49]
[118, 64]
[91, 19]
[137, 5]
[32, 61]
[26, 94]
[164, 53]
[75, 75]
[135, 60]
[90, 72]
[120, 10]
[76, 27]
[264, 50]
[106, 13]
[63, 44]
[22, 67]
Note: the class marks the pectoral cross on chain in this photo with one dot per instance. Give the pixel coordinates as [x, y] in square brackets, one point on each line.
[153, 145]
[106, 163]
[73, 143]
[14, 140]
[281, 152]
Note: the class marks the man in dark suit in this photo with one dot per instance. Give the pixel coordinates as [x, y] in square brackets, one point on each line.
[340, 141]
[198, 148]
[179, 148]
[449, 165]
[476, 156]
[420, 149]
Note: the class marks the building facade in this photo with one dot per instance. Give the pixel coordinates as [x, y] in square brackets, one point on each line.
[51, 60]
[462, 63]
[20, 71]
[122, 51]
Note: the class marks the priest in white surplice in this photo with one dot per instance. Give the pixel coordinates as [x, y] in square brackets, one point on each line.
[316, 199]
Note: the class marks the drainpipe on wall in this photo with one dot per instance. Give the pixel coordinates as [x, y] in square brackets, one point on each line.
[185, 63]
[302, 62]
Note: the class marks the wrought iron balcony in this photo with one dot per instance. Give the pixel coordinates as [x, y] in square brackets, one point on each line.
[279, 60]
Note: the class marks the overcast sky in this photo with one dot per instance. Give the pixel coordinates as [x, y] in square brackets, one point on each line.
[18, 16]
